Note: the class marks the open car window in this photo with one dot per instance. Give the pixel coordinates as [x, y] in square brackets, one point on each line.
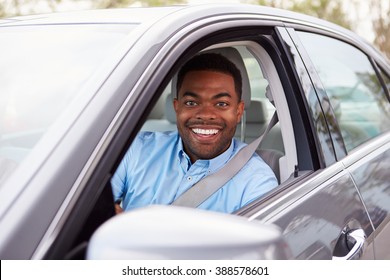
[264, 81]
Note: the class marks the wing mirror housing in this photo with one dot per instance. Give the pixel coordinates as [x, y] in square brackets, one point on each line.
[172, 232]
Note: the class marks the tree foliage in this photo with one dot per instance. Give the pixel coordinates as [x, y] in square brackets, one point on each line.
[333, 11]
[13, 7]
[381, 27]
[125, 3]
[330, 10]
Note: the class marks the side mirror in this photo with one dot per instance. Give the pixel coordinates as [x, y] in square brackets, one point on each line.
[171, 232]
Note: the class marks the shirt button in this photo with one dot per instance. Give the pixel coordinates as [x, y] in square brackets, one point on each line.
[189, 178]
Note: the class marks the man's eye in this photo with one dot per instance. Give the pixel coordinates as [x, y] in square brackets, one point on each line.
[222, 104]
[190, 103]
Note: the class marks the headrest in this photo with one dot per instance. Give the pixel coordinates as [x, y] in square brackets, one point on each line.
[170, 113]
[257, 112]
[234, 56]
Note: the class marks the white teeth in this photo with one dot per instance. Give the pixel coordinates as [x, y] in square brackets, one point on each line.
[205, 131]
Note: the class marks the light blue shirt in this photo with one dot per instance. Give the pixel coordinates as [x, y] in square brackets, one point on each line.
[156, 170]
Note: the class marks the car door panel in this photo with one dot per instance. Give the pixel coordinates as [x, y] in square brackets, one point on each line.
[360, 120]
[318, 214]
[313, 215]
[369, 168]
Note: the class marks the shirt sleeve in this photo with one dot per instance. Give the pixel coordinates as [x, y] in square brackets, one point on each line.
[120, 181]
[260, 181]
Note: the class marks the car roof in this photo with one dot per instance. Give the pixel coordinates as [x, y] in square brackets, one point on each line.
[123, 15]
[181, 15]
[138, 15]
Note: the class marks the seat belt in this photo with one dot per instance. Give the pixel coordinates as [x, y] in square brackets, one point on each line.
[207, 186]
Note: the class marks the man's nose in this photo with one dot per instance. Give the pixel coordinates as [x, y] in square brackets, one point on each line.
[206, 111]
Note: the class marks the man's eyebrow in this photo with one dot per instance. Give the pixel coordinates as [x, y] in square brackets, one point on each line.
[217, 96]
[221, 95]
[190, 94]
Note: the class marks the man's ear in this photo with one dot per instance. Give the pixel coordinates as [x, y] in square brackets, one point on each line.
[175, 104]
[240, 110]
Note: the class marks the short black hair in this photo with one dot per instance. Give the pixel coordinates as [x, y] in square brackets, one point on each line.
[211, 62]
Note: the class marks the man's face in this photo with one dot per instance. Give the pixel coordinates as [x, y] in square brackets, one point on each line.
[207, 110]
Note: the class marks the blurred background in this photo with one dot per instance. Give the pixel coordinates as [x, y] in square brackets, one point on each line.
[368, 18]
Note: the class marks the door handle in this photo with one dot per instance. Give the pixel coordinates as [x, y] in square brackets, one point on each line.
[356, 237]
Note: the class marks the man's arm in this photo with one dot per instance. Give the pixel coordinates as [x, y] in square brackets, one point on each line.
[118, 208]
[119, 183]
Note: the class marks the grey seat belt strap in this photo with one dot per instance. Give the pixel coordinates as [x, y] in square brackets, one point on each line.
[202, 190]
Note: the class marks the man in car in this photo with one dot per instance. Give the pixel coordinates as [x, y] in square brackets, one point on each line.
[160, 166]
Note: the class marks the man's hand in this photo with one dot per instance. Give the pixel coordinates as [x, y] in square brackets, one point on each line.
[118, 208]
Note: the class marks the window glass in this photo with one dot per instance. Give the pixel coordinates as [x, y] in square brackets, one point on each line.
[44, 68]
[356, 95]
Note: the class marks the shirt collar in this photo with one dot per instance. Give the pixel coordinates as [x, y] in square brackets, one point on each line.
[219, 161]
[213, 164]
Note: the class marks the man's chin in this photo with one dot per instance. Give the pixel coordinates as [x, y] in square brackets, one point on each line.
[205, 151]
[207, 155]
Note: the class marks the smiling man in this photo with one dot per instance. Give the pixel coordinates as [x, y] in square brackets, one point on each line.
[207, 110]
[160, 166]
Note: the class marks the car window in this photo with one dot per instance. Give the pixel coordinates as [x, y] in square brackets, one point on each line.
[257, 114]
[355, 92]
[44, 68]
[163, 118]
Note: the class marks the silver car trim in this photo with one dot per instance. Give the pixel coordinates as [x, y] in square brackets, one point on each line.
[370, 150]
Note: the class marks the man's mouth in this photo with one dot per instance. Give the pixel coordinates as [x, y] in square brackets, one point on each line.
[206, 132]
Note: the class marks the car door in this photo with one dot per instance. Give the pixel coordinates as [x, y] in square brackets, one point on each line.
[356, 86]
[321, 212]
[317, 205]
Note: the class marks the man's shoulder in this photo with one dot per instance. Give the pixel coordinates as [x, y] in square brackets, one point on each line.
[154, 144]
[239, 145]
[255, 163]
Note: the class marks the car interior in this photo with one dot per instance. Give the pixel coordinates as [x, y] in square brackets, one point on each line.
[259, 109]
